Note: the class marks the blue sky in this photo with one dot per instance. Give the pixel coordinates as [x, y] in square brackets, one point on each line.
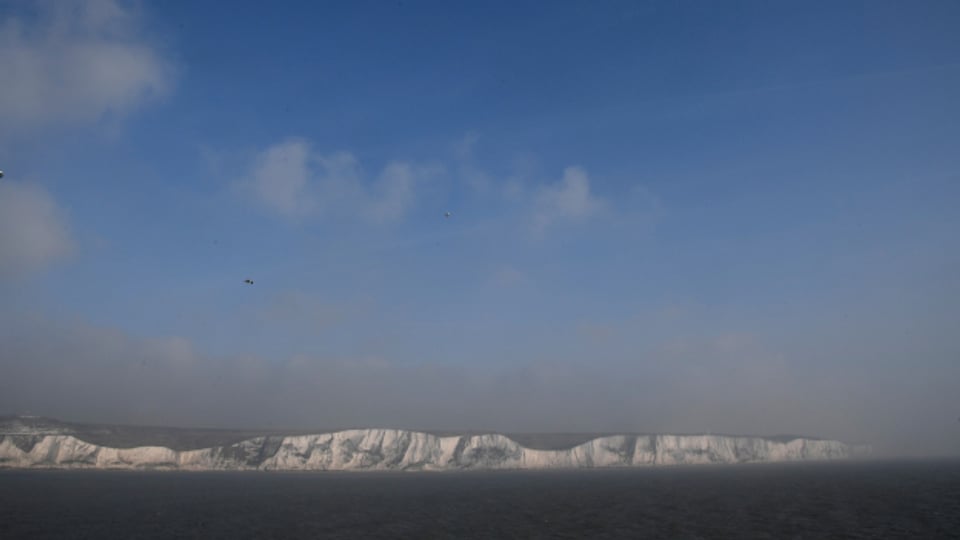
[745, 211]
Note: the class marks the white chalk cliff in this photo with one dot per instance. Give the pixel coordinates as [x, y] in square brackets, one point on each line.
[392, 449]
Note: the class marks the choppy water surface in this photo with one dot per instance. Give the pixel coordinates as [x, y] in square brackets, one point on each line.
[846, 500]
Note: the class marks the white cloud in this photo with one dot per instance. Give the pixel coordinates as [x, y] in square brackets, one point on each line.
[280, 178]
[33, 230]
[507, 276]
[463, 149]
[513, 190]
[74, 62]
[569, 199]
[476, 179]
[293, 181]
[463, 152]
[64, 62]
[392, 194]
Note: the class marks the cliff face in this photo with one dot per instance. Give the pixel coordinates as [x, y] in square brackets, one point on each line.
[391, 449]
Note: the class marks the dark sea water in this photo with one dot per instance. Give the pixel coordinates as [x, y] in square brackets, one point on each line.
[830, 500]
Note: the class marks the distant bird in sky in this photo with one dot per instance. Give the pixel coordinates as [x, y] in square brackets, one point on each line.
[447, 214]
[248, 281]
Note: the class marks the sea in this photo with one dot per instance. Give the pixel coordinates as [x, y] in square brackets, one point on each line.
[869, 499]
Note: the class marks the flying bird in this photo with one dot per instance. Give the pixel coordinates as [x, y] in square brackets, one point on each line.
[248, 281]
[447, 214]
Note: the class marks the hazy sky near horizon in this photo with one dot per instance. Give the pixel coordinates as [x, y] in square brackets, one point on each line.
[679, 216]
